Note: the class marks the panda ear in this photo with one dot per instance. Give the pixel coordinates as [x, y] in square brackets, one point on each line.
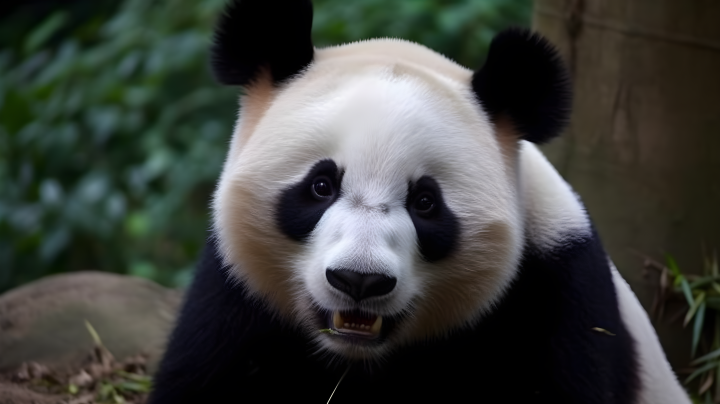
[525, 81]
[257, 35]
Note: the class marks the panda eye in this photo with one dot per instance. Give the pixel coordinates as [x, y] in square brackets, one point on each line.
[322, 188]
[424, 204]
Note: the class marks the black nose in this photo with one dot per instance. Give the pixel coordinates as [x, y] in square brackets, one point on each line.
[360, 286]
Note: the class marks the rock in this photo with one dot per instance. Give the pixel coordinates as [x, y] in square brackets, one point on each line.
[44, 321]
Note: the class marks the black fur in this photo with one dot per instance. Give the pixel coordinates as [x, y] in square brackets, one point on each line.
[298, 211]
[537, 346]
[525, 80]
[256, 34]
[437, 231]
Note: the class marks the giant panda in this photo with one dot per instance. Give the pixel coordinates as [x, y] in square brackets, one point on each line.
[386, 231]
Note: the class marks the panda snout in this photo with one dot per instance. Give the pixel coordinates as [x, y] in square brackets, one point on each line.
[359, 285]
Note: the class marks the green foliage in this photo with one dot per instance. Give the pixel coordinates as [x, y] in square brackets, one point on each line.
[112, 132]
[109, 146]
[459, 29]
[702, 294]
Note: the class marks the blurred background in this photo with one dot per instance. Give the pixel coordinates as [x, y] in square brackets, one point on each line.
[112, 134]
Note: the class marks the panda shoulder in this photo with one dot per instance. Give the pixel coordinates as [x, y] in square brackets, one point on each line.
[554, 214]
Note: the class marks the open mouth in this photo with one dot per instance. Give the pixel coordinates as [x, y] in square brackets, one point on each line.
[359, 326]
[357, 323]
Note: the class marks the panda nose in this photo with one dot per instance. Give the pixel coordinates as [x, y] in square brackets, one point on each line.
[358, 285]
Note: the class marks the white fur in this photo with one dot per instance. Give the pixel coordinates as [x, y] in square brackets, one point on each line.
[385, 125]
[552, 210]
[658, 384]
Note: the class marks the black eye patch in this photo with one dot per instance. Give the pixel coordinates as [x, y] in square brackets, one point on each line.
[436, 226]
[302, 205]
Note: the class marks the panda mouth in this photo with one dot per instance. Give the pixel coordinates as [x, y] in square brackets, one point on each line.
[357, 323]
[359, 326]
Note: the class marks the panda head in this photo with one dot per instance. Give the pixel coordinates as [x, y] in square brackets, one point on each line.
[371, 189]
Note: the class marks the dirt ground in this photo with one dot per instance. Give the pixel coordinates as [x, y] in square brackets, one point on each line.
[99, 379]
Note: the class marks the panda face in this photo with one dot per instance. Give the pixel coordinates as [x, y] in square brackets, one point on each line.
[370, 197]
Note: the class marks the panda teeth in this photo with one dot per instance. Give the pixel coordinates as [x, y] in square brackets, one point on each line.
[339, 323]
[375, 328]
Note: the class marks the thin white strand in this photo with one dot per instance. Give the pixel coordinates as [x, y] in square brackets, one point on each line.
[338, 383]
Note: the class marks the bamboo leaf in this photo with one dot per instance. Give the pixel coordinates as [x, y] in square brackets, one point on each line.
[135, 377]
[45, 31]
[700, 299]
[133, 386]
[703, 281]
[701, 370]
[708, 382]
[677, 280]
[697, 328]
[672, 265]
[95, 336]
[712, 355]
[686, 289]
[602, 330]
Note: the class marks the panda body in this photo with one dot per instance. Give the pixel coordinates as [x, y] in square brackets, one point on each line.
[384, 218]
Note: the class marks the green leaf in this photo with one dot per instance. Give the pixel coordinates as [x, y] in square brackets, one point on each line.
[699, 300]
[107, 391]
[705, 280]
[672, 265]
[701, 370]
[94, 334]
[686, 290]
[697, 328]
[133, 386]
[135, 377]
[44, 31]
[118, 399]
[712, 355]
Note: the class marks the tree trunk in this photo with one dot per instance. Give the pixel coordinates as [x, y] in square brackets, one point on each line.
[643, 146]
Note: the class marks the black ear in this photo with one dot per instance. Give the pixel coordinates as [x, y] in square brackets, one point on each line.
[525, 80]
[262, 34]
